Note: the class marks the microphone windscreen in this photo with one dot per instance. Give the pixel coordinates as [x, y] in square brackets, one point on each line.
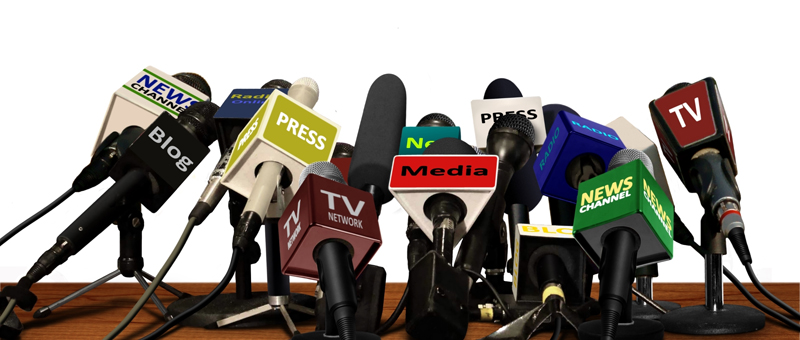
[342, 150]
[676, 87]
[305, 90]
[277, 84]
[449, 146]
[196, 81]
[199, 118]
[551, 110]
[436, 119]
[379, 135]
[516, 122]
[501, 88]
[323, 169]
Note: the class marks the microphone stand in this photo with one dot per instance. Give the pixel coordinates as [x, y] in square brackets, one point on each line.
[239, 310]
[714, 317]
[641, 309]
[130, 263]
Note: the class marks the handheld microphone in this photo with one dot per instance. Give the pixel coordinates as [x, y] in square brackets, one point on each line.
[623, 220]
[502, 98]
[561, 212]
[150, 170]
[511, 139]
[444, 192]
[576, 149]
[331, 234]
[342, 157]
[281, 139]
[378, 138]
[523, 193]
[695, 138]
[635, 139]
[549, 261]
[432, 127]
[240, 106]
[142, 99]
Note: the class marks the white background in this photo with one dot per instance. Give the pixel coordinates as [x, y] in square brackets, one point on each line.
[62, 61]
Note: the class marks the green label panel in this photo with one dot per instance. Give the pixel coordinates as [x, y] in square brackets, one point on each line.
[657, 209]
[300, 132]
[626, 190]
[248, 134]
[608, 197]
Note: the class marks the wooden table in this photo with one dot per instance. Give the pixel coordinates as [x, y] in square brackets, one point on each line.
[93, 315]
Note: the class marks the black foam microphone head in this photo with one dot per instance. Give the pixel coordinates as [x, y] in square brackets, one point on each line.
[449, 146]
[551, 110]
[199, 120]
[378, 137]
[436, 119]
[676, 87]
[277, 84]
[194, 80]
[342, 150]
[502, 88]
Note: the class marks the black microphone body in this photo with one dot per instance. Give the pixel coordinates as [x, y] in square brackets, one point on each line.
[144, 174]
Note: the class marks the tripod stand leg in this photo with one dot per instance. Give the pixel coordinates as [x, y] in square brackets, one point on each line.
[156, 300]
[289, 322]
[167, 287]
[45, 311]
[241, 316]
[302, 309]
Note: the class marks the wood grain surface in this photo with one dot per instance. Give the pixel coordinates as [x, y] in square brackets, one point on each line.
[96, 313]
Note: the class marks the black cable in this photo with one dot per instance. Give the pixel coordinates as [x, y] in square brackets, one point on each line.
[759, 305]
[557, 330]
[395, 315]
[766, 293]
[782, 318]
[210, 297]
[491, 287]
[36, 216]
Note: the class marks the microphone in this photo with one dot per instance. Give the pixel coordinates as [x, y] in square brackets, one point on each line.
[142, 99]
[522, 194]
[561, 212]
[635, 139]
[696, 140]
[623, 220]
[576, 149]
[342, 158]
[502, 98]
[240, 106]
[443, 191]
[511, 139]
[378, 138]
[279, 141]
[549, 262]
[150, 170]
[331, 234]
[432, 127]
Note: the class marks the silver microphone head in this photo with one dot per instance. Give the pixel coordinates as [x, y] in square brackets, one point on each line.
[323, 169]
[626, 156]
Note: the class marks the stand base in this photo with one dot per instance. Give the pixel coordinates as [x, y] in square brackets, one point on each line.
[12, 327]
[640, 329]
[732, 319]
[320, 335]
[227, 305]
[650, 313]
